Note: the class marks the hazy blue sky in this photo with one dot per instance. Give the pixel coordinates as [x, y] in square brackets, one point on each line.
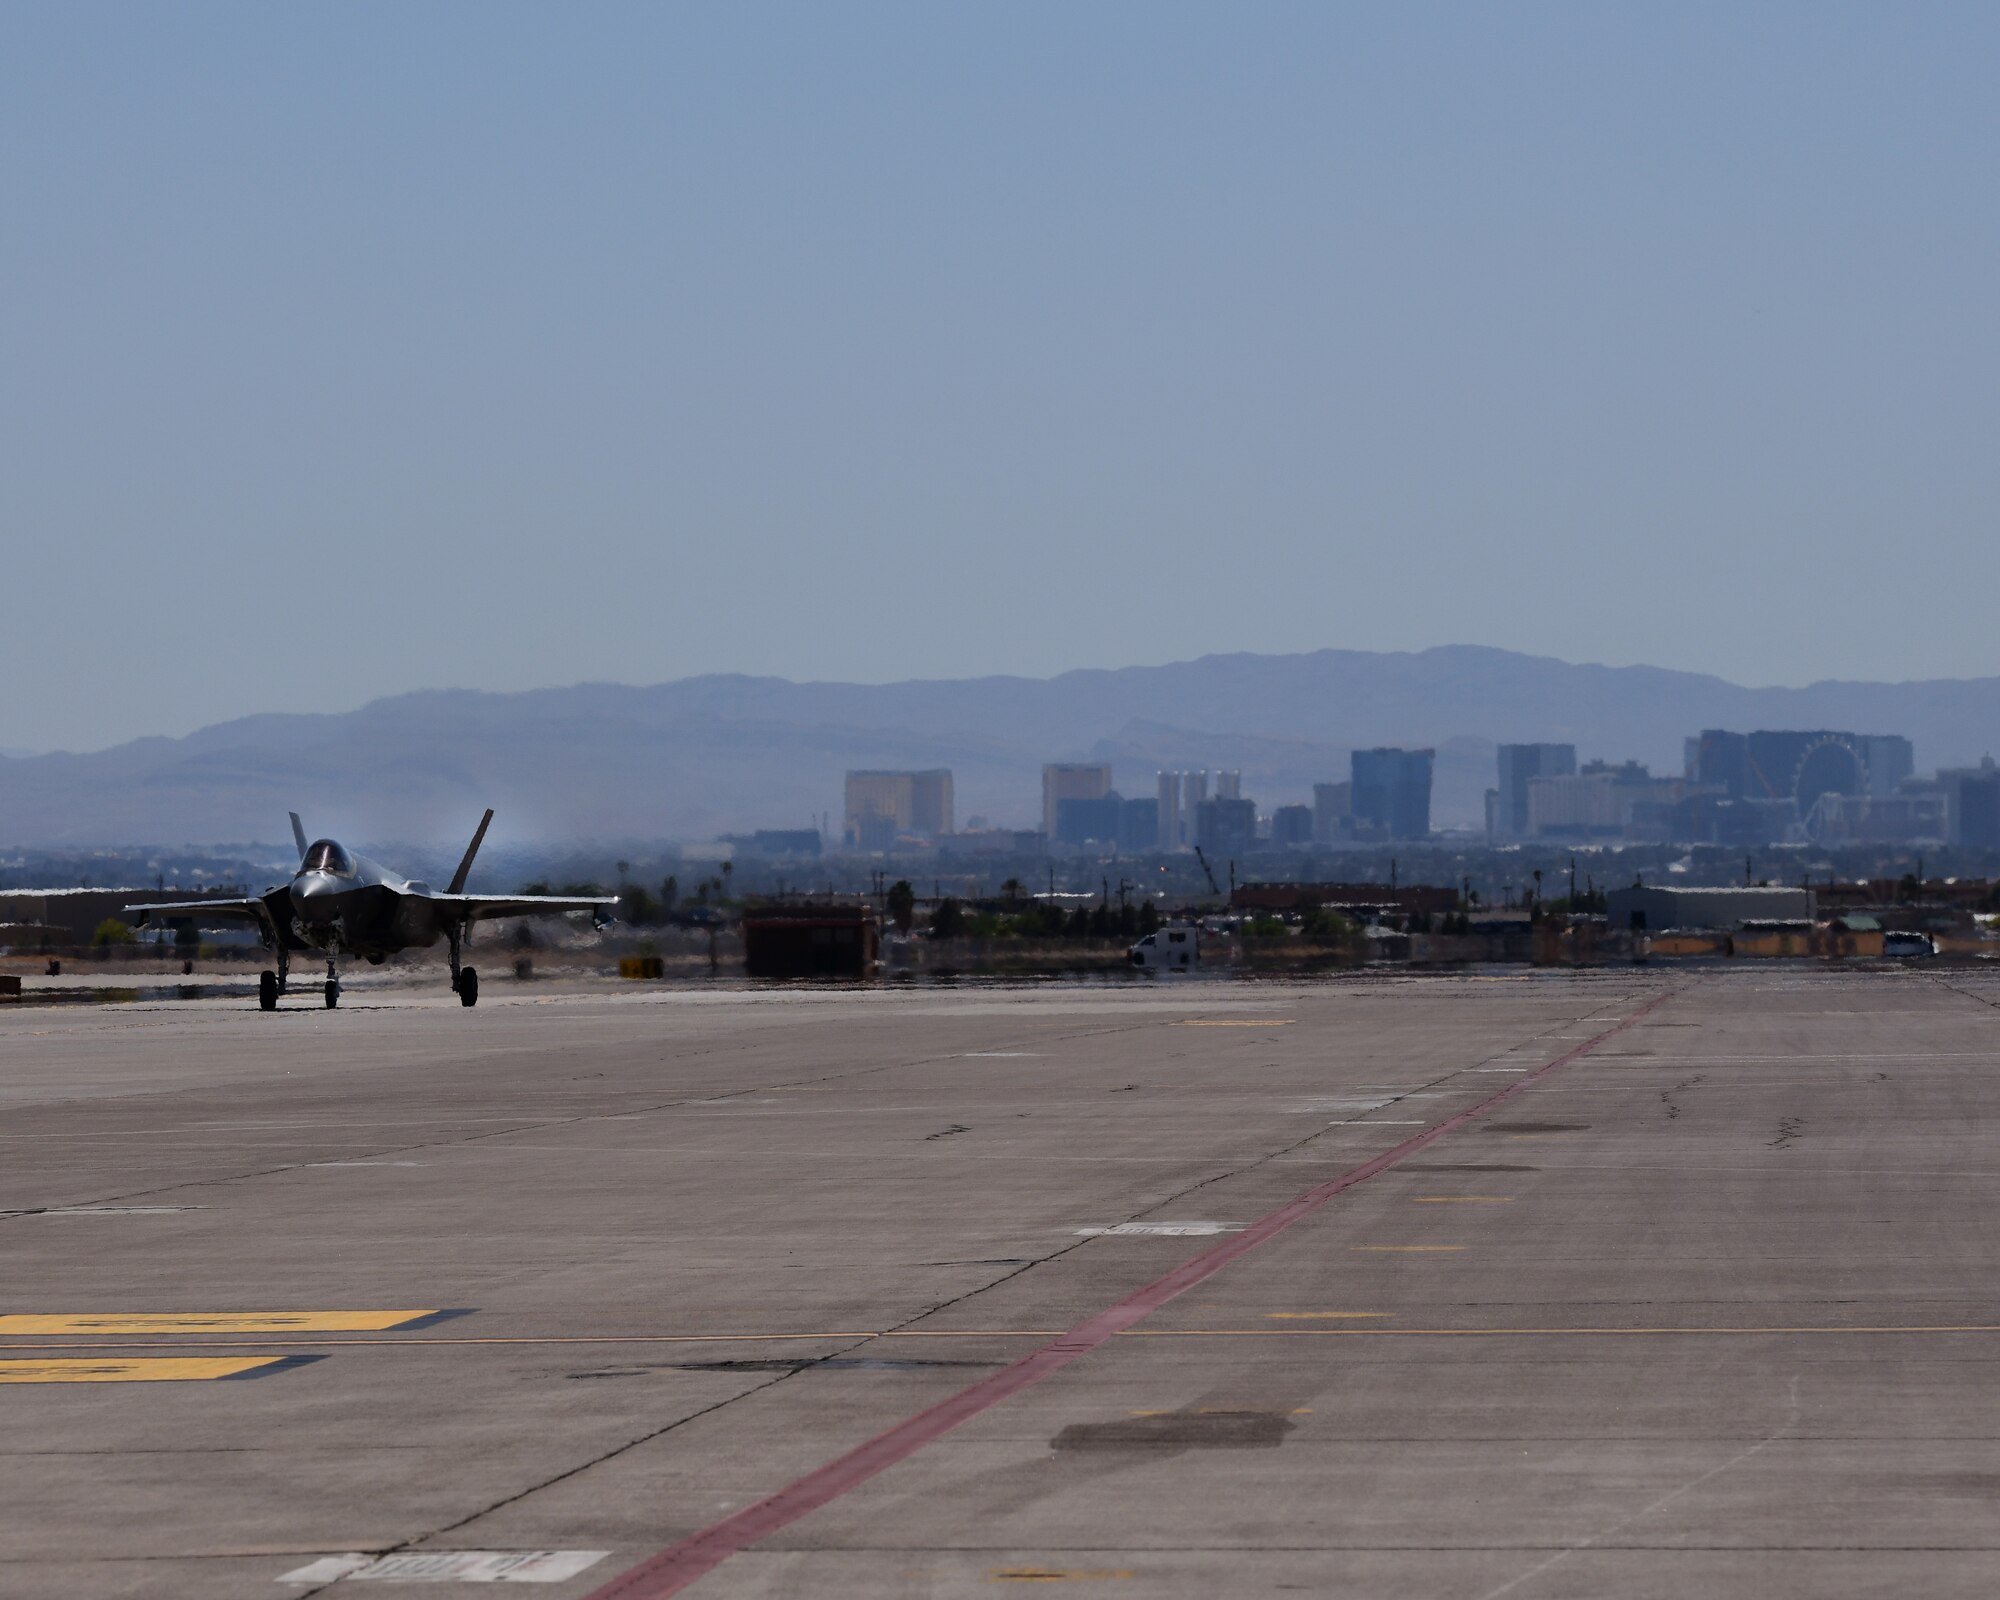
[351, 349]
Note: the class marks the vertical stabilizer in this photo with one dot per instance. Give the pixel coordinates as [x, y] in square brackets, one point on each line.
[299, 835]
[465, 867]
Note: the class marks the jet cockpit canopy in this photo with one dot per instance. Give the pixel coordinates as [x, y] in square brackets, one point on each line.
[328, 856]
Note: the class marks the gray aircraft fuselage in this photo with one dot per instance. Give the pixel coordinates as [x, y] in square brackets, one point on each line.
[340, 900]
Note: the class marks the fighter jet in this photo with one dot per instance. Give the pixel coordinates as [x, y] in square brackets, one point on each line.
[341, 903]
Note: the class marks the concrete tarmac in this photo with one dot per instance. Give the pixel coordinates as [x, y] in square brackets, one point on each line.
[1710, 1308]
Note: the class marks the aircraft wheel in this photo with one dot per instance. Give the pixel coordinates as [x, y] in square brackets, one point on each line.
[267, 991]
[332, 995]
[468, 987]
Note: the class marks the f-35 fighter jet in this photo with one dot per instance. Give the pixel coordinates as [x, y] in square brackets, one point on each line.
[341, 903]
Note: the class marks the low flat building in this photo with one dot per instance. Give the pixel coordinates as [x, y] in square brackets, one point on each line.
[811, 941]
[1653, 910]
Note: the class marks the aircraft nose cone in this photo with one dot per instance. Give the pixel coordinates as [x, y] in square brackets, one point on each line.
[311, 886]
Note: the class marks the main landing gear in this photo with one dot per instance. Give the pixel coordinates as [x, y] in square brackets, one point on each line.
[271, 985]
[332, 984]
[464, 980]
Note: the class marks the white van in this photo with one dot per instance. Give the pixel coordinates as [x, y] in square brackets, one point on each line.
[1169, 950]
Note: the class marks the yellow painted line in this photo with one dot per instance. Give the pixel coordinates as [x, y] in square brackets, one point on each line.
[1324, 1316]
[1280, 1022]
[209, 1322]
[109, 1370]
[1056, 1574]
[1406, 1249]
[1463, 1199]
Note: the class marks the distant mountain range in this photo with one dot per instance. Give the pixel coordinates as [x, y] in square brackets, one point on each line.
[687, 760]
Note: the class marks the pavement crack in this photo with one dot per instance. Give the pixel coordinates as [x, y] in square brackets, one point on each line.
[1590, 1541]
[417, 1539]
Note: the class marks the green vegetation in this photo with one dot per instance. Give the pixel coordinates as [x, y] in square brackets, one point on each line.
[902, 903]
[110, 932]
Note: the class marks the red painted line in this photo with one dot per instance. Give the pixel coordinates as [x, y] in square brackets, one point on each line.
[681, 1564]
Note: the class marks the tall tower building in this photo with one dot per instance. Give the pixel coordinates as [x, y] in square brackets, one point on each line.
[1070, 780]
[1392, 790]
[1519, 765]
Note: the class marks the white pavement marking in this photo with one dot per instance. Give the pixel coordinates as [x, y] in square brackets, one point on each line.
[1001, 1055]
[106, 1211]
[366, 1163]
[450, 1566]
[1377, 1122]
[1167, 1230]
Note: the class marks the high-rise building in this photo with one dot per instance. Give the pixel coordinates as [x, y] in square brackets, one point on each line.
[1226, 827]
[1889, 759]
[1392, 791]
[1069, 780]
[1972, 805]
[1519, 764]
[1167, 818]
[1292, 826]
[1090, 821]
[1333, 806]
[1181, 793]
[1229, 786]
[882, 805]
[1138, 825]
[931, 802]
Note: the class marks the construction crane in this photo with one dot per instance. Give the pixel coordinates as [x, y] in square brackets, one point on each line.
[1213, 886]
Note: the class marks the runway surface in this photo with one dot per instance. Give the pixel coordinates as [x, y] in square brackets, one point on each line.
[1538, 1285]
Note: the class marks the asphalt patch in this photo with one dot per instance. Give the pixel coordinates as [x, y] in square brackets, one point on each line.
[1180, 1430]
[1469, 1166]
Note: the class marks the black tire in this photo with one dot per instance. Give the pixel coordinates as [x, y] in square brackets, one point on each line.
[267, 991]
[332, 994]
[468, 987]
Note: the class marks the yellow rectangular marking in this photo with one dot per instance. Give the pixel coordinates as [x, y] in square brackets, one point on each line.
[1323, 1316]
[1410, 1248]
[166, 1370]
[1196, 1022]
[208, 1322]
[1463, 1199]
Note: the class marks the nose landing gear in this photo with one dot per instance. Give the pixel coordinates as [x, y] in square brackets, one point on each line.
[267, 990]
[332, 984]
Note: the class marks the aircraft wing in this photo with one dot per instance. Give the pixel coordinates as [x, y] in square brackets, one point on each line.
[481, 907]
[248, 909]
